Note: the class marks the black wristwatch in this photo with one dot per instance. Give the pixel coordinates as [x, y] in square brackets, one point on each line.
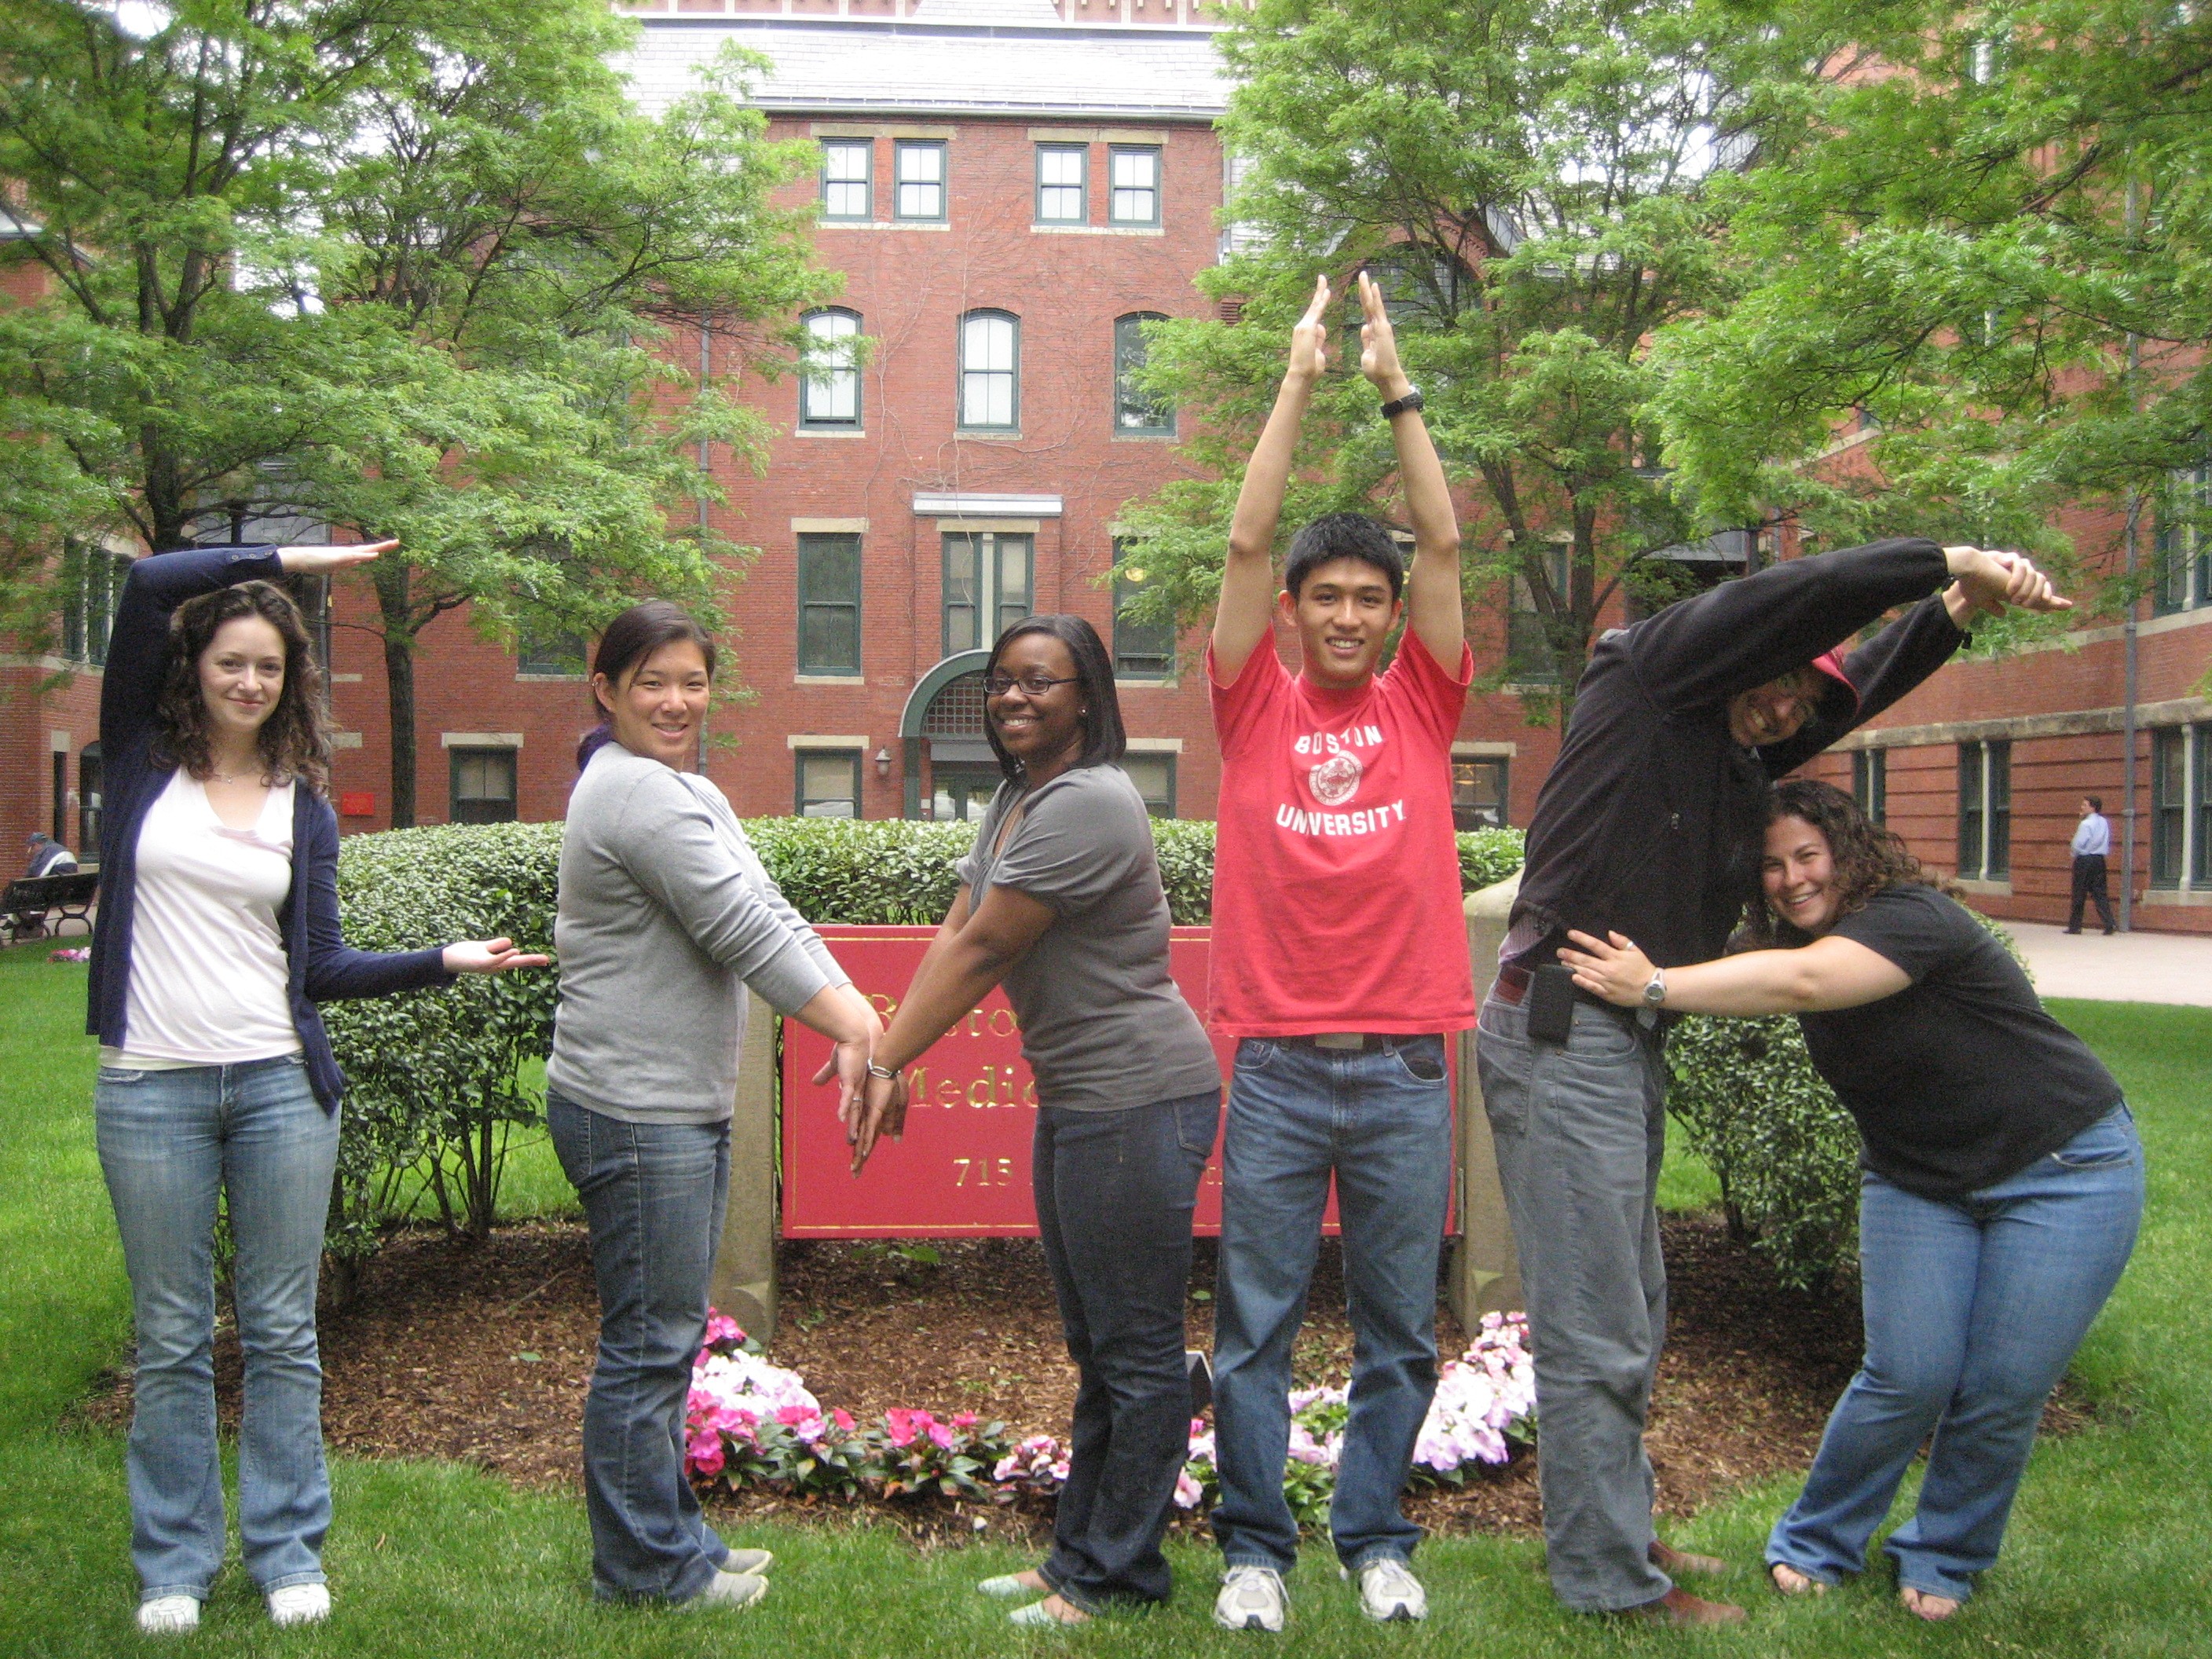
[1405, 404]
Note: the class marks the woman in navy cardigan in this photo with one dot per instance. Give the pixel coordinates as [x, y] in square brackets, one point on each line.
[217, 934]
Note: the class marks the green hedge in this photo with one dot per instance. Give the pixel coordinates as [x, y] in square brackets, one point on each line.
[434, 1074]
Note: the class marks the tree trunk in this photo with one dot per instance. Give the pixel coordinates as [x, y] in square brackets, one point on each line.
[392, 596]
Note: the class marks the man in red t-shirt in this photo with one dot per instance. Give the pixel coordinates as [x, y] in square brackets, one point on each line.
[1340, 961]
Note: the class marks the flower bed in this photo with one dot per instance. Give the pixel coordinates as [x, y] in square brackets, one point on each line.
[751, 1423]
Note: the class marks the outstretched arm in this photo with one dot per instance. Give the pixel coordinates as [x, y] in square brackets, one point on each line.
[1433, 591]
[971, 953]
[1829, 972]
[1245, 615]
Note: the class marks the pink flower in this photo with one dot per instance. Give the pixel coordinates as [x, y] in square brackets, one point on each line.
[842, 1418]
[903, 1424]
[721, 1327]
[1187, 1492]
[793, 1416]
[940, 1435]
[705, 1453]
[964, 1420]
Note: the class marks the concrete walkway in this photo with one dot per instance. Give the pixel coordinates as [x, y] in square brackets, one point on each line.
[2125, 968]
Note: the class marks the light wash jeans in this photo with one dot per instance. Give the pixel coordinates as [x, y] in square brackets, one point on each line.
[1580, 1128]
[653, 1196]
[169, 1142]
[1974, 1311]
[1379, 1121]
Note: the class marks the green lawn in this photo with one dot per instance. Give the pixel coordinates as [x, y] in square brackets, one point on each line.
[2108, 1556]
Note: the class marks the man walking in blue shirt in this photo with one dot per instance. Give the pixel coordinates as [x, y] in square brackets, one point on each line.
[2093, 845]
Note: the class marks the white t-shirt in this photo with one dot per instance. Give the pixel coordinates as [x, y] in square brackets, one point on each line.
[208, 967]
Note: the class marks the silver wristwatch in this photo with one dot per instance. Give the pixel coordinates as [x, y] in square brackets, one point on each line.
[1654, 994]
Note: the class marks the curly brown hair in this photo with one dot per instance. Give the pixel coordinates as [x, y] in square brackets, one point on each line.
[1868, 857]
[294, 740]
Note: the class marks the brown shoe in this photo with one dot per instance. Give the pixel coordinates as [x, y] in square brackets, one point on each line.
[1681, 1609]
[1675, 1563]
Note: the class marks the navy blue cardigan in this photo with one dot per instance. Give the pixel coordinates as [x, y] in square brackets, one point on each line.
[321, 966]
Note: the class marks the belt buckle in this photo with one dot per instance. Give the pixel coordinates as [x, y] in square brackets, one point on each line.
[1351, 1040]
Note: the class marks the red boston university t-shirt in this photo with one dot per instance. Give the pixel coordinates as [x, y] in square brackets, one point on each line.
[1336, 893]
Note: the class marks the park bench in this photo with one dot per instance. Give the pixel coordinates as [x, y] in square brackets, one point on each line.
[31, 900]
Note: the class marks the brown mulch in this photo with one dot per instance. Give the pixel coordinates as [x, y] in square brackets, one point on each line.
[480, 1352]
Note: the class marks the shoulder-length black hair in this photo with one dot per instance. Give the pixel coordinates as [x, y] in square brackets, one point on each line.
[294, 741]
[629, 640]
[1104, 740]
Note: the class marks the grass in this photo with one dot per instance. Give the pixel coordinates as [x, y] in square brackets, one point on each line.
[2108, 1553]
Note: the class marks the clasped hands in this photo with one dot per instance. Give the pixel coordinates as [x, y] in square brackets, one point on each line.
[870, 1107]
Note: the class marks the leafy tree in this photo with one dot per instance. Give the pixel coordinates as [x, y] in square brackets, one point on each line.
[1986, 228]
[1533, 183]
[416, 266]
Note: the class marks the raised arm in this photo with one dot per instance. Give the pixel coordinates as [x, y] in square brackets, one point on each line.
[1829, 972]
[1433, 591]
[1245, 615]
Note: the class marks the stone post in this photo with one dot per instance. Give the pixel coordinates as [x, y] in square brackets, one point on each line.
[744, 1283]
[1484, 1275]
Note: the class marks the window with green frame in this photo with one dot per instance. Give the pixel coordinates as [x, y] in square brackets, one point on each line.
[1135, 177]
[849, 179]
[1154, 775]
[990, 371]
[2169, 804]
[987, 584]
[91, 583]
[1984, 810]
[2184, 573]
[829, 603]
[1062, 193]
[1529, 659]
[2200, 841]
[827, 783]
[918, 181]
[1143, 649]
[1136, 412]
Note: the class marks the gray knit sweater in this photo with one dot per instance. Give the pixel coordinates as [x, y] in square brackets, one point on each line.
[666, 918]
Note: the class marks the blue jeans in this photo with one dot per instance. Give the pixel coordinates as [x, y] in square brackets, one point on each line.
[170, 1141]
[654, 1194]
[1580, 1128]
[1115, 1194]
[1381, 1122]
[1973, 1310]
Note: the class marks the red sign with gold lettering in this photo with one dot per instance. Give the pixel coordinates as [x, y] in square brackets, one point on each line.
[963, 1170]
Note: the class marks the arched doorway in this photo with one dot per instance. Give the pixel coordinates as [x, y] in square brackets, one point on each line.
[944, 722]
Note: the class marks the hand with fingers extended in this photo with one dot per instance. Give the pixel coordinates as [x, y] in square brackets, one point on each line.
[490, 956]
[1378, 343]
[1989, 581]
[883, 1112]
[328, 561]
[1309, 338]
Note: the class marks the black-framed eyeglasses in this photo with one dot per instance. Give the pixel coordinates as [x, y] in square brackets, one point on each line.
[997, 685]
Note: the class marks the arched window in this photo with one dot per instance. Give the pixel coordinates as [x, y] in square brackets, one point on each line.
[990, 371]
[830, 394]
[1135, 412]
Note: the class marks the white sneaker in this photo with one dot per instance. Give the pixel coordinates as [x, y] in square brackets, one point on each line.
[729, 1589]
[1252, 1598]
[1389, 1592]
[169, 1615]
[299, 1604]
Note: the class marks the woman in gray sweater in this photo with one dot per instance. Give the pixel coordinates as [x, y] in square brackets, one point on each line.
[666, 920]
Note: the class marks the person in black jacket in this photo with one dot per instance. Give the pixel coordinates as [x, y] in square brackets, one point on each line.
[1649, 825]
[218, 934]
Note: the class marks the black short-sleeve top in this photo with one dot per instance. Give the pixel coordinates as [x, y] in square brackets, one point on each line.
[1961, 1079]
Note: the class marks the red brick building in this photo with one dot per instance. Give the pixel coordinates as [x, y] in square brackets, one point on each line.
[1009, 187]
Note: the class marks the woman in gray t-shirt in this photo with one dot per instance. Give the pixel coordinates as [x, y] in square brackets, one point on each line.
[1061, 902]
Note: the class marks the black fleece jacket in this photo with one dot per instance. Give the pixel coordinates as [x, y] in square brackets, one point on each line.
[1650, 821]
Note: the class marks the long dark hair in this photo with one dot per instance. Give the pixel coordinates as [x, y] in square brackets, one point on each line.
[294, 741]
[1868, 857]
[629, 640]
[1105, 741]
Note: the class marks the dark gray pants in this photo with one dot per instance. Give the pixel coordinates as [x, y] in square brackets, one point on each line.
[1580, 1128]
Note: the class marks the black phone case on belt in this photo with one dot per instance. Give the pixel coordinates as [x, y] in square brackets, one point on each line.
[1551, 1003]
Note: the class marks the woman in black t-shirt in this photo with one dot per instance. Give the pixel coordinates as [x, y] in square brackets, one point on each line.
[2004, 1183]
